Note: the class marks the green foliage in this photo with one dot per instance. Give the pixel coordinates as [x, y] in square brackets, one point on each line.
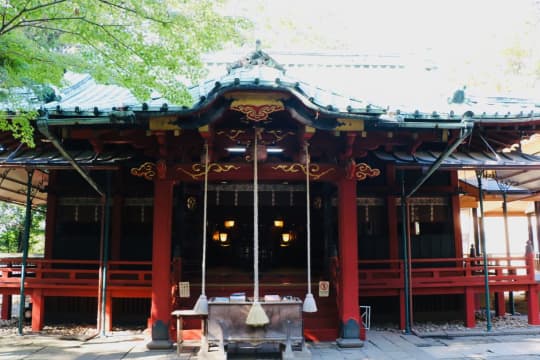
[19, 124]
[12, 227]
[144, 45]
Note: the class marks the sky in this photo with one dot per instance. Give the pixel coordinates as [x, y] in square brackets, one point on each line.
[471, 40]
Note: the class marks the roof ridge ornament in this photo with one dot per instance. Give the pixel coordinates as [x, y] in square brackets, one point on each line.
[255, 58]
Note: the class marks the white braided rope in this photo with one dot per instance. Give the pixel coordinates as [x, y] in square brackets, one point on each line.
[308, 221]
[255, 224]
[205, 210]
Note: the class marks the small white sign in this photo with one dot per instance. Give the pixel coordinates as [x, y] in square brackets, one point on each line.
[183, 289]
[324, 288]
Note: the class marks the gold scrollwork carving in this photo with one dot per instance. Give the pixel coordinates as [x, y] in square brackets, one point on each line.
[257, 112]
[362, 171]
[232, 134]
[279, 135]
[315, 172]
[198, 170]
[147, 170]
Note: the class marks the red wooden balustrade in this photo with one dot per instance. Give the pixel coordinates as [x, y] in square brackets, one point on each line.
[376, 278]
[74, 275]
[446, 275]
[373, 274]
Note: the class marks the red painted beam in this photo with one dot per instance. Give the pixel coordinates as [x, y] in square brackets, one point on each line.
[242, 171]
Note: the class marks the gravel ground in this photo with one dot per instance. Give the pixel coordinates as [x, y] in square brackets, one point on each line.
[84, 331]
[498, 323]
[64, 331]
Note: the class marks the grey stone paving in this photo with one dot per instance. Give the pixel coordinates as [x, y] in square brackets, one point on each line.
[380, 345]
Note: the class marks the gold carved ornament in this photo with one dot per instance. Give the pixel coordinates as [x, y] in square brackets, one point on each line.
[279, 135]
[198, 170]
[315, 172]
[146, 170]
[232, 134]
[361, 171]
[257, 109]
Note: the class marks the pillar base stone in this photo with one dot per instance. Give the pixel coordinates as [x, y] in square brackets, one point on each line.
[159, 345]
[349, 343]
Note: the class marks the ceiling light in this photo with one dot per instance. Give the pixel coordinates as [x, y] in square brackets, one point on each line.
[236, 149]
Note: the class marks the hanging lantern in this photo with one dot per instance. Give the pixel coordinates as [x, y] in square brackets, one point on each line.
[224, 240]
[286, 237]
[228, 224]
[279, 223]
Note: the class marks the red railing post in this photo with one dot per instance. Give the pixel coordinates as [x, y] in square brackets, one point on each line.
[470, 320]
[529, 260]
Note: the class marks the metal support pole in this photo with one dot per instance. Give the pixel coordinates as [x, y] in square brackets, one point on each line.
[511, 303]
[105, 254]
[404, 237]
[465, 132]
[43, 127]
[484, 253]
[26, 236]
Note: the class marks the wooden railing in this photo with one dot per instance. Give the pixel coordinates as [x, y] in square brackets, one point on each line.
[41, 273]
[373, 274]
[446, 272]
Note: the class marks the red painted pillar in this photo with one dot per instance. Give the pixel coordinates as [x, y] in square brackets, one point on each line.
[38, 307]
[108, 312]
[391, 214]
[532, 293]
[161, 263]
[116, 226]
[456, 216]
[532, 305]
[50, 218]
[500, 310]
[348, 256]
[470, 320]
[5, 312]
[402, 309]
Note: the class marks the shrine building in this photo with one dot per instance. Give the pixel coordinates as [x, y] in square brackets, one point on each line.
[150, 204]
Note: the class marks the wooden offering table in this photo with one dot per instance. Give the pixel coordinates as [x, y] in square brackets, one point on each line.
[180, 315]
[227, 323]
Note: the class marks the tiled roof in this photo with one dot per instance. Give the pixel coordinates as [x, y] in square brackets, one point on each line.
[50, 157]
[389, 91]
[514, 170]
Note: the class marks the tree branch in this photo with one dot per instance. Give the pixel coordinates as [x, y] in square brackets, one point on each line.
[34, 58]
[108, 33]
[25, 10]
[49, 28]
[131, 10]
[24, 23]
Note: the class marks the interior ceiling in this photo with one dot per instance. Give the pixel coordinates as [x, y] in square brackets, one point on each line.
[13, 186]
